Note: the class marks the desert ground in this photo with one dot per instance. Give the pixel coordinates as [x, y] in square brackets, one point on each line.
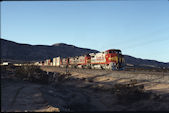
[83, 90]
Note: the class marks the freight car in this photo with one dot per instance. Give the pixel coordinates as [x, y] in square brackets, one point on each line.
[111, 59]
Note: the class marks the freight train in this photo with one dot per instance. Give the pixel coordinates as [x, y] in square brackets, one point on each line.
[111, 59]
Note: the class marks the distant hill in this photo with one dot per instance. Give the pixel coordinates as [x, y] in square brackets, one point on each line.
[13, 51]
[144, 62]
[25, 52]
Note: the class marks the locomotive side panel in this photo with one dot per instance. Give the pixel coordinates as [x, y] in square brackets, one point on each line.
[98, 58]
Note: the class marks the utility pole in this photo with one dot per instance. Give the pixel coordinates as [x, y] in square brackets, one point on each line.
[163, 70]
[66, 68]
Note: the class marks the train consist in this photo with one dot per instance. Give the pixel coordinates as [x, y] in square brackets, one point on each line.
[111, 59]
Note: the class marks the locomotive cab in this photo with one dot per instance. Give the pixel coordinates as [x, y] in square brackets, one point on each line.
[115, 58]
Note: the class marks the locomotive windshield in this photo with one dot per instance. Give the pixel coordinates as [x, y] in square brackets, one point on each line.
[115, 51]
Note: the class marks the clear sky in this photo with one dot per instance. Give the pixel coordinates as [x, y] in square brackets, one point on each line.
[139, 28]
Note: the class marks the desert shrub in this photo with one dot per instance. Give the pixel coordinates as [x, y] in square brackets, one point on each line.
[3, 69]
[7, 68]
[131, 92]
[7, 71]
[63, 77]
[25, 70]
[31, 73]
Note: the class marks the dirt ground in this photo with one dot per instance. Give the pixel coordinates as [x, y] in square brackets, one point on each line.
[84, 90]
[153, 81]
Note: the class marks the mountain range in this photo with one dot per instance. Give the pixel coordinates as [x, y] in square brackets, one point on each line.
[12, 51]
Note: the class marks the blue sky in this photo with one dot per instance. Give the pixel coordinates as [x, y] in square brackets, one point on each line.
[139, 28]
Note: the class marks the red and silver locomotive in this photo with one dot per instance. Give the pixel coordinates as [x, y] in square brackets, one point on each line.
[110, 59]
